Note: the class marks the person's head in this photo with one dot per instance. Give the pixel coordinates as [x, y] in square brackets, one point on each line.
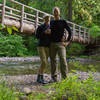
[56, 12]
[46, 18]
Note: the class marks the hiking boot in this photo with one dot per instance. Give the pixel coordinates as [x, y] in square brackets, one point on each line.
[40, 79]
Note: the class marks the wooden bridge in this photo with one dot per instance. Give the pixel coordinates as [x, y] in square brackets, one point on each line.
[27, 19]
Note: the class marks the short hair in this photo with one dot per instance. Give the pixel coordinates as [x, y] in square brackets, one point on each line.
[56, 8]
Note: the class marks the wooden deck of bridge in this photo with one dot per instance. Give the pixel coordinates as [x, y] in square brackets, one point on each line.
[27, 19]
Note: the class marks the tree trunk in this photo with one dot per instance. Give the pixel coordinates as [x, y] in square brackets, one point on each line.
[69, 10]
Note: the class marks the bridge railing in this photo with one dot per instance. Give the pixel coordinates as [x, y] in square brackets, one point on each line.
[34, 16]
[31, 15]
[80, 32]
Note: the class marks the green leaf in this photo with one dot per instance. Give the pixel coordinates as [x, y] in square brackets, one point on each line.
[0, 27]
[15, 29]
[9, 30]
[3, 26]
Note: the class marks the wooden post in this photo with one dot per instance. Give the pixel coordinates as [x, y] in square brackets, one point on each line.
[25, 16]
[10, 11]
[22, 18]
[37, 20]
[88, 36]
[3, 11]
[73, 32]
[84, 35]
[79, 33]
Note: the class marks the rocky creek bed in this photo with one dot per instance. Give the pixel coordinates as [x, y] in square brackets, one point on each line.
[22, 81]
[27, 83]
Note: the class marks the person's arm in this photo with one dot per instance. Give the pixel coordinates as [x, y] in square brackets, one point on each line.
[39, 32]
[69, 31]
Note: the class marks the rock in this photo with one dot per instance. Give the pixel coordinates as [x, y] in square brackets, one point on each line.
[23, 98]
[27, 91]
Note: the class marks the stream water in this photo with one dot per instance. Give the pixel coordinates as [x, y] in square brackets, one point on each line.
[31, 67]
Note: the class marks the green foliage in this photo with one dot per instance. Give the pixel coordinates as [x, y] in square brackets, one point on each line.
[9, 30]
[37, 96]
[76, 65]
[86, 12]
[2, 26]
[11, 45]
[15, 29]
[73, 89]
[16, 45]
[83, 56]
[75, 49]
[95, 31]
[0, 1]
[5, 92]
[31, 45]
[95, 57]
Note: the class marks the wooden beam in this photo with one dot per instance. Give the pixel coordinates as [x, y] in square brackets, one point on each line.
[10, 13]
[12, 17]
[9, 8]
[28, 27]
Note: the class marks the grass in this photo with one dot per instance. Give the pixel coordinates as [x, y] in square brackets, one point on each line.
[5, 92]
[38, 96]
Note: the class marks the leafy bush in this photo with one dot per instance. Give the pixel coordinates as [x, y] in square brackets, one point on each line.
[75, 49]
[16, 45]
[11, 45]
[74, 89]
[95, 31]
[31, 45]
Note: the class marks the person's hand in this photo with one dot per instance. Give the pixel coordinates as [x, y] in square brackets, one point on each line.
[65, 43]
[63, 39]
[48, 31]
